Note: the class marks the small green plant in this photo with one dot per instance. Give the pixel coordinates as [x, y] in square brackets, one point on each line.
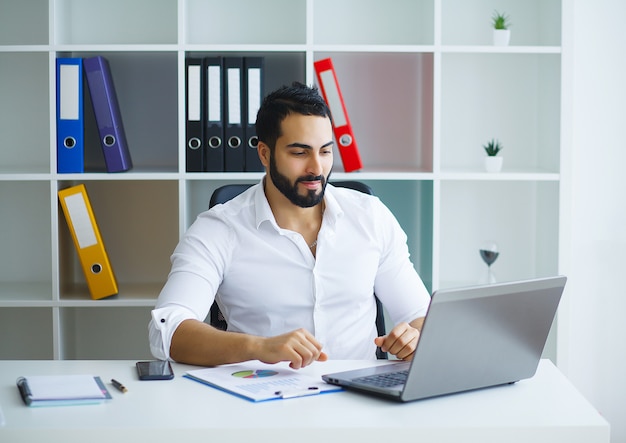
[500, 21]
[493, 147]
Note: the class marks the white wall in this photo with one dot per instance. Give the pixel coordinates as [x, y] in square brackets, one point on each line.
[592, 337]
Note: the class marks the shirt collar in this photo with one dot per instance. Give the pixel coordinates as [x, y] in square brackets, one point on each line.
[332, 212]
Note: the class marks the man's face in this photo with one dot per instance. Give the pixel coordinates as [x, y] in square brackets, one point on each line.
[302, 159]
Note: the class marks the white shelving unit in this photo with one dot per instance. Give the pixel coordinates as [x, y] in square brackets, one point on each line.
[423, 85]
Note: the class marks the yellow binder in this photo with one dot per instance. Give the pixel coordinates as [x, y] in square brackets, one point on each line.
[86, 235]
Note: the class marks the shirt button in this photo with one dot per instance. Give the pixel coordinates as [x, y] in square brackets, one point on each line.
[162, 320]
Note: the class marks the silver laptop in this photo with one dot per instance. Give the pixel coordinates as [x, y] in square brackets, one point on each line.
[472, 338]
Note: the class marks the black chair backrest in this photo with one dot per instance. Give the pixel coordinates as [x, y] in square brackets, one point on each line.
[227, 192]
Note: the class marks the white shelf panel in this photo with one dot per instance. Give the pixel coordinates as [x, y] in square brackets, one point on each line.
[490, 49]
[374, 48]
[500, 176]
[82, 47]
[121, 176]
[31, 294]
[130, 294]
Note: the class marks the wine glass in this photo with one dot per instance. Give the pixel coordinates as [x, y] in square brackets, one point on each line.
[489, 253]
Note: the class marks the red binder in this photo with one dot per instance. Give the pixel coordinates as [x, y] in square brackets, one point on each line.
[346, 143]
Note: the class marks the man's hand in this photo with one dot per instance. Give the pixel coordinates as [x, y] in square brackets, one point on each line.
[298, 347]
[401, 341]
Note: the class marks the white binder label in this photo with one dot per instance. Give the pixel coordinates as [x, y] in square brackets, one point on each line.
[193, 96]
[334, 102]
[254, 93]
[69, 96]
[234, 96]
[215, 93]
[77, 209]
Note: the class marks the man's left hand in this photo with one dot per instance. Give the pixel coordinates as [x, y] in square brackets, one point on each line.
[401, 341]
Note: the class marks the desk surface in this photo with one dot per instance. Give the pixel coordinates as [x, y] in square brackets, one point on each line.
[546, 408]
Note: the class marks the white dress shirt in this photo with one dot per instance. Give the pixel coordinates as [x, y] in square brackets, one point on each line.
[267, 281]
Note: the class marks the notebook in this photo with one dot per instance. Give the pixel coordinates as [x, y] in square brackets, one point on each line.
[62, 390]
[472, 338]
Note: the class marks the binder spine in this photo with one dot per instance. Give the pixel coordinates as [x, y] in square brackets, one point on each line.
[194, 85]
[70, 122]
[213, 106]
[346, 143]
[108, 115]
[233, 113]
[254, 78]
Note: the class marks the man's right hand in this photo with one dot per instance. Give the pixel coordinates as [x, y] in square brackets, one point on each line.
[299, 347]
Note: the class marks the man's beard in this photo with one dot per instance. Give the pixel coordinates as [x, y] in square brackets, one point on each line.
[290, 191]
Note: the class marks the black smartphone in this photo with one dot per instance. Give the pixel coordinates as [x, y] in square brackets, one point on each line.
[155, 370]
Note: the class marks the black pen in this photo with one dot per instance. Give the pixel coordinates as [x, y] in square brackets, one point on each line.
[119, 386]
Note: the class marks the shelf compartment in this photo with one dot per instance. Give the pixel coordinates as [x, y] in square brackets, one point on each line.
[533, 22]
[146, 85]
[514, 98]
[105, 333]
[372, 22]
[521, 217]
[25, 238]
[411, 202]
[26, 333]
[77, 22]
[389, 100]
[138, 221]
[245, 22]
[25, 123]
[24, 23]
[199, 194]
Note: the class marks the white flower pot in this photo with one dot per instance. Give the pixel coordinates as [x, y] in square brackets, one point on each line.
[501, 37]
[493, 163]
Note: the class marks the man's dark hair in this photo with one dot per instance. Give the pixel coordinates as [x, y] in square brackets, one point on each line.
[294, 99]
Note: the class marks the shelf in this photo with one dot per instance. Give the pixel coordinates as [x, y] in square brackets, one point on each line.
[533, 22]
[32, 343]
[138, 221]
[521, 217]
[119, 22]
[372, 22]
[130, 294]
[424, 88]
[104, 333]
[27, 293]
[256, 22]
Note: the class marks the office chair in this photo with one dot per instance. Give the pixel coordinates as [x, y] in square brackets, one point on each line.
[227, 192]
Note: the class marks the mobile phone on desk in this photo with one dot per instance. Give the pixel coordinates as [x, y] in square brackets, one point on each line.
[155, 370]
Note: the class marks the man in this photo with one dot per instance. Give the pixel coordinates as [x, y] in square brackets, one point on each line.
[293, 262]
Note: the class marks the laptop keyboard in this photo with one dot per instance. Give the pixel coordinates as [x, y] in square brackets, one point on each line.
[384, 380]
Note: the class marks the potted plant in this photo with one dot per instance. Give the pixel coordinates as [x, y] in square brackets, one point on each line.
[501, 31]
[493, 163]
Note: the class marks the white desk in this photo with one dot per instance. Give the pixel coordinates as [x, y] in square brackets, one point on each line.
[546, 408]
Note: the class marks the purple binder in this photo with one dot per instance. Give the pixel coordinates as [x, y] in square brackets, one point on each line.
[108, 117]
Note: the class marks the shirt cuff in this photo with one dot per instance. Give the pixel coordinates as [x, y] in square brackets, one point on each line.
[162, 326]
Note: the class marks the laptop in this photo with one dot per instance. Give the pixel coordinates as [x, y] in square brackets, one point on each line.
[472, 338]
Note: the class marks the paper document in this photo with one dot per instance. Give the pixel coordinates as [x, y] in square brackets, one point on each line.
[257, 381]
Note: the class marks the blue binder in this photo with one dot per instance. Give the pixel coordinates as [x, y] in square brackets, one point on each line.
[108, 116]
[70, 122]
